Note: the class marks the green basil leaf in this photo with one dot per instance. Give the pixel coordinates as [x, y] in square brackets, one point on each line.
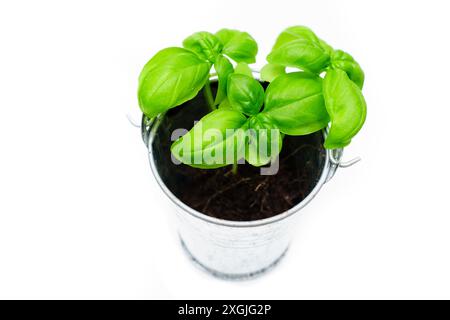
[295, 33]
[206, 45]
[270, 71]
[238, 45]
[223, 68]
[172, 77]
[344, 61]
[300, 54]
[294, 103]
[299, 47]
[225, 104]
[328, 49]
[345, 105]
[245, 94]
[217, 140]
[264, 141]
[243, 68]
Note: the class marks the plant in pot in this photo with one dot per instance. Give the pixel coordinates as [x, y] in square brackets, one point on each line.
[244, 151]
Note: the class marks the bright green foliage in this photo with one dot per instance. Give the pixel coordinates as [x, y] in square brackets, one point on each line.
[250, 122]
[343, 61]
[205, 145]
[243, 68]
[175, 75]
[345, 105]
[294, 103]
[223, 68]
[245, 94]
[205, 44]
[299, 47]
[270, 71]
[264, 141]
[238, 45]
[172, 77]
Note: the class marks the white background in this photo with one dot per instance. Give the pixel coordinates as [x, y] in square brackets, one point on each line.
[82, 217]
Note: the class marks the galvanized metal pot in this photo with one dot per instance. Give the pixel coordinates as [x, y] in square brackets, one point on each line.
[234, 249]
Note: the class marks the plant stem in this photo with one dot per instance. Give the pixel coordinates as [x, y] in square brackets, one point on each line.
[208, 95]
[235, 168]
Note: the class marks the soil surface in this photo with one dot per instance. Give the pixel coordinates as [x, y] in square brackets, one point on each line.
[247, 195]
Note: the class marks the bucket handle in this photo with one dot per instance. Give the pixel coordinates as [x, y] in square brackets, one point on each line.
[335, 157]
[132, 121]
[145, 125]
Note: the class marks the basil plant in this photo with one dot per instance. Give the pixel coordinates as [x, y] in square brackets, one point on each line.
[246, 121]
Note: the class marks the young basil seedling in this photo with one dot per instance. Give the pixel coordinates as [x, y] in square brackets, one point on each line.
[250, 123]
[343, 80]
[175, 75]
[299, 47]
[230, 134]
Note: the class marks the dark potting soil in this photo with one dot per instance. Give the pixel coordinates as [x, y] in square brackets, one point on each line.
[244, 196]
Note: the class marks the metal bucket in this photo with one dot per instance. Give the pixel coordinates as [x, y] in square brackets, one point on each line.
[235, 249]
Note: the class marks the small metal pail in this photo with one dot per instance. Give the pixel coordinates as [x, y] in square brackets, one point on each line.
[235, 249]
